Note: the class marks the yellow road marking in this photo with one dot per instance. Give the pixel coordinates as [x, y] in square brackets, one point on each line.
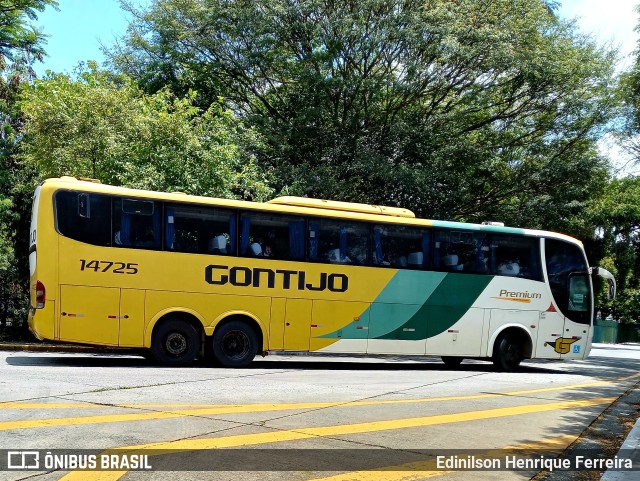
[167, 447]
[427, 469]
[212, 410]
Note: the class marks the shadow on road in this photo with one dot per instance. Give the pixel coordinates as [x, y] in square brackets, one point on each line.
[303, 363]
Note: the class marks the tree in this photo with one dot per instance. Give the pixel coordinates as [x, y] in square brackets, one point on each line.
[460, 110]
[616, 215]
[103, 126]
[20, 46]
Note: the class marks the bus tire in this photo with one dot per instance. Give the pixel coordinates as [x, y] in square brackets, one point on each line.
[452, 361]
[175, 343]
[508, 352]
[235, 344]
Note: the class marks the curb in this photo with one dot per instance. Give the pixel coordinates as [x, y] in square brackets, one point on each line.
[631, 445]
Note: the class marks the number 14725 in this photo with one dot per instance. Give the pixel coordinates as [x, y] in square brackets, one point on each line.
[108, 266]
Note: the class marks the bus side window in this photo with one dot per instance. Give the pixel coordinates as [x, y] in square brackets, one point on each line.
[338, 242]
[515, 256]
[85, 217]
[271, 235]
[401, 247]
[461, 251]
[137, 223]
[199, 229]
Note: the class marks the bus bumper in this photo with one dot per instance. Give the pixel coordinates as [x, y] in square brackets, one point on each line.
[41, 322]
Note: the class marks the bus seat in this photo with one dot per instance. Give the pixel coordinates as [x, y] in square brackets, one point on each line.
[509, 269]
[333, 256]
[415, 259]
[218, 244]
[255, 249]
[450, 260]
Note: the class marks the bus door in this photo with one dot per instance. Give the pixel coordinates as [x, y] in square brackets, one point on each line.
[131, 318]
[570, 284]
[90, 314]
[102, 315]
[577, 322]
[297, 324]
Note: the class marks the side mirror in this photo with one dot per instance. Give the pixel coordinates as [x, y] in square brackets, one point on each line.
[611, 281]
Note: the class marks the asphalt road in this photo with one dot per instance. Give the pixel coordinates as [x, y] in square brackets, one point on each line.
[299, 418]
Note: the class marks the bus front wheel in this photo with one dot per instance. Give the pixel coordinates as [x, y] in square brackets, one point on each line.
[508, 352]
[175, 343]
[235, 344]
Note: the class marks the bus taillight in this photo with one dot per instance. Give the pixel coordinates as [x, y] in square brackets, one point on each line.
[41, 295]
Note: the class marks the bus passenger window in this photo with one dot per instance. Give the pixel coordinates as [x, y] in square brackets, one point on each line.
[136, 223]
[338, 242]
[271, 235]
[199, 229]
[402, 247]
[515, 256]
[85, 217]
[461, 251]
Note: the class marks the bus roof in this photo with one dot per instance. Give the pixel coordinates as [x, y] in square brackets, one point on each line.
[342, 206]
[300, 206]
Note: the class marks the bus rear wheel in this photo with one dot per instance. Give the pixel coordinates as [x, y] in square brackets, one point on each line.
[235, 344]
[175, 343]
[508, 352]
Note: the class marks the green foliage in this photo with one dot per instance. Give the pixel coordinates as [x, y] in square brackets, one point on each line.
[17, 37]
[616, 215]
[20, 46]
[461, 110]
[628, 306]
[103, 126]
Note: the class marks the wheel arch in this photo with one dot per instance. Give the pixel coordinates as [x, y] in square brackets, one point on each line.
[245, 317]
[517, 329]
[248, 319]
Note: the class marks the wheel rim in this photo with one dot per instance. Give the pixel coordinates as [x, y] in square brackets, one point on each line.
[235, 344]
[176, 344]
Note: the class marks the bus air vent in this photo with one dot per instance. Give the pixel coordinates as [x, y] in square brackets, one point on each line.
[342, 206]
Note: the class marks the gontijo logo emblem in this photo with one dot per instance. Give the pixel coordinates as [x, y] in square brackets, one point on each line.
[562, 345]
[518, 296]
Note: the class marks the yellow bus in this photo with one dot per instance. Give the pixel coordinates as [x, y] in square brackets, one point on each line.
[186, 276]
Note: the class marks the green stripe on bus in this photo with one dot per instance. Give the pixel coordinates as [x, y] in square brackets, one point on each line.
[453, 297]
[400, 299]
[426, 304]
